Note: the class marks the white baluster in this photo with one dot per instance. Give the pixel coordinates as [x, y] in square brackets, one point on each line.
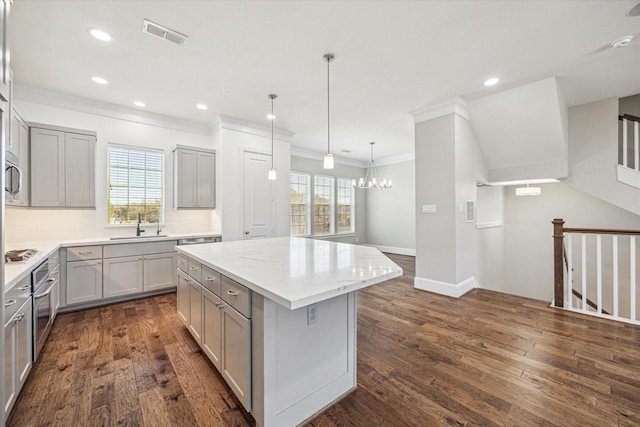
[599, 272]
[624, 143]
[632, 274]
[584, 272]
[615, 276]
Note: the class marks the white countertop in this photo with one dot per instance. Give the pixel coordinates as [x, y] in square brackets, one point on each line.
[14, 272]
[293, 271]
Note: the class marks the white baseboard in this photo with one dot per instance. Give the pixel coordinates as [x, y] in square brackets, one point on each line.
[444, 288]
[394, 250]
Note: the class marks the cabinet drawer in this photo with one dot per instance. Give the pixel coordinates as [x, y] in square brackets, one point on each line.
[81, 253]
[183, 262]
[237, 296]
[195, 270]
[211, 280]
[16, 296]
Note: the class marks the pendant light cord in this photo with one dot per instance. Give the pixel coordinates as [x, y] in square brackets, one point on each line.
[272, 154]
[328, 115]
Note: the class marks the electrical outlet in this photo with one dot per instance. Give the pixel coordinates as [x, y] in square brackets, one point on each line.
[312, 314]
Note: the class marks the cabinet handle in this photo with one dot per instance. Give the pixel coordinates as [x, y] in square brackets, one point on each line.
[24, 288]
[182, 261]
[140, 259]
[10, 302]
[187, 279]
[99, 262]
[209, 278]
[193, 268]
[232, 293]
[85, 253]
[68, 203]
[18, 317]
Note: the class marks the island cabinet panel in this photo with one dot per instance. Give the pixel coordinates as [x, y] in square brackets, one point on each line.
[236, 354]
[195, 310]
[183, 300]
[212, 327]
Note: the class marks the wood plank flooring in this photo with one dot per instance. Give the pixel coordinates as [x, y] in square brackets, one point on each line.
[423, 360]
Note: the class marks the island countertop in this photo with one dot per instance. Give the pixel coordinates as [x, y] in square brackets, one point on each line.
[294, 271]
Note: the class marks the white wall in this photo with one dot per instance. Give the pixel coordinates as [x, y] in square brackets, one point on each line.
[593, 154]
[32, 224]
[528, 243]
[234, 140]
[391, 213]
[315, 167]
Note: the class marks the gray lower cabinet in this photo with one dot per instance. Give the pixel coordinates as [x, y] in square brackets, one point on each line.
[123, 276]
[18, 353]
[159, 271]
[84, 281]
[221, 324]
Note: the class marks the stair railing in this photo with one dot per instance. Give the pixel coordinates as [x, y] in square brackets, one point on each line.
[603, 264]
[630, 124]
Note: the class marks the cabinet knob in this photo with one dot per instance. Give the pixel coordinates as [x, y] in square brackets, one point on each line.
[246, 232]
[68, 203]
[99, 262]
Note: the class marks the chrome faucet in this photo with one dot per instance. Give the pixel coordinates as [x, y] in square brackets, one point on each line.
[138, 230]
[158, 230]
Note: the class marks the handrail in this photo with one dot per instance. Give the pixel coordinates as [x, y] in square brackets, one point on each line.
[601, 231]
[629, 117]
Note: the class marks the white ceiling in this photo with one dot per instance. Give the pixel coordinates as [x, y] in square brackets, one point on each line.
[392, 57]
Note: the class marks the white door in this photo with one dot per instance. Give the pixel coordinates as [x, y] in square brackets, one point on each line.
[258, 197]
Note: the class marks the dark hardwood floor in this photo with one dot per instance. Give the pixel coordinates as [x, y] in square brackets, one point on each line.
[485, 359]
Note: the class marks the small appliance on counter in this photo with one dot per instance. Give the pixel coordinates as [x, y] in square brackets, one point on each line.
[19, 255]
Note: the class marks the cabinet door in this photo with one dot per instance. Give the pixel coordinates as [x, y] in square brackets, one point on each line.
[185, 178]
[5, 6]
[80, 170]
[24, 343]
[84, 281]
[10, 366]
[206, 180]
[55, 293]
[212, 327]
[183, 303]
[160, 271]
[195, 303]
[47, 168]
[13, 142]
[23, 195]
[236, 354]
[122, 276]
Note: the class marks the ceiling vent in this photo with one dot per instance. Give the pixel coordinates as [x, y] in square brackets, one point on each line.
[161, 32]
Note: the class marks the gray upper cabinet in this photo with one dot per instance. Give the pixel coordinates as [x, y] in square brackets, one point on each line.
[62, 167]
[18, 144]
[194, 178]
[5, 86]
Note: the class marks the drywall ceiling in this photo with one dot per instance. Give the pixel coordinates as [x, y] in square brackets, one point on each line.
[392, 57]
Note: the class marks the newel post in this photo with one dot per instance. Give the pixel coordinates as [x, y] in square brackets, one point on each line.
[558, 273]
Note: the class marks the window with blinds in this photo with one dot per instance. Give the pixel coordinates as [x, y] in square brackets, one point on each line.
[135, 179]
[300, 195]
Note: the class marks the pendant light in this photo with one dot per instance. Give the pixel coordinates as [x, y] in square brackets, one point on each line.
[371, 178]
[328, 157]
[272, 117]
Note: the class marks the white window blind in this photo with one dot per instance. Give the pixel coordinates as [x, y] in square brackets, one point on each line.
[135, 185]
[300, 194]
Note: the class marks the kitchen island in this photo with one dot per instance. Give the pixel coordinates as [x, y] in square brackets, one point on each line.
[302, 319]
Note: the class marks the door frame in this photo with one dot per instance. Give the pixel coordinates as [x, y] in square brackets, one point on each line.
[251, 150]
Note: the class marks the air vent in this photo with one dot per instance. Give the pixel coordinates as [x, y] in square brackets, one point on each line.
[161, 32]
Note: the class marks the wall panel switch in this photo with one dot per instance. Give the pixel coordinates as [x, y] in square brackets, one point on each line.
[430, 209]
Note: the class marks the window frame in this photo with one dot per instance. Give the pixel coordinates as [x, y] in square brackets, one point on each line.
[332, 206]
[352, 205]
[308, 223]
[162, 188]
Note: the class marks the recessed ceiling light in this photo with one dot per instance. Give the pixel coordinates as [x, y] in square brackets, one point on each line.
[100, 35]
[492, 81]
[271, 116]
[100, 80]
[139, 104]
[622, 41]
[201, 106]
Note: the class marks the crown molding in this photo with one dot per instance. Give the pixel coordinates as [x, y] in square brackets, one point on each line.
[239, 125]
[400, 158]
[456, 105]
[314, 155]
[92, 106]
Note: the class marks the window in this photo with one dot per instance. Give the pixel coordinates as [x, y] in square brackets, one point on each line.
[332, 210]
[135, 185]
[300, 196]
[345, 205]
[323, 205]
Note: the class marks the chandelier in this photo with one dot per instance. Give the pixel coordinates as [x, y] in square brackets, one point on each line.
[372, 178]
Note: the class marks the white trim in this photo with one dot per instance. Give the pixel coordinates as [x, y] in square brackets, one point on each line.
[401, 158]
[456, 105]
[314, 155]
[106, 109]
[239, 125]
[444, 288]
[393, 249]
[628, 176]
[488, 224]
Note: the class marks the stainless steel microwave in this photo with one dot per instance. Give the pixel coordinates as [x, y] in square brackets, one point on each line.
[12, 175]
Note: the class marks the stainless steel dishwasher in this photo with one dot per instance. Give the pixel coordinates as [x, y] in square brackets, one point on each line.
[198, 240]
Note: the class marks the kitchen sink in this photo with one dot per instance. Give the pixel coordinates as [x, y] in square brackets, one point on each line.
[152, 236]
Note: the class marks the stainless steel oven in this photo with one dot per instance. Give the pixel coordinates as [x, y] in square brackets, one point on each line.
[43, 284]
